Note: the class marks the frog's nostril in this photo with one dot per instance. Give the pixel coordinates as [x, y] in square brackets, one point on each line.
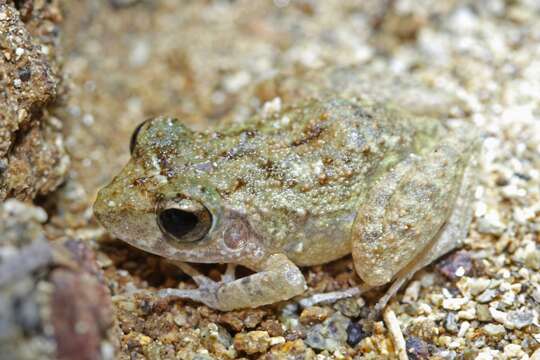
[177, 222]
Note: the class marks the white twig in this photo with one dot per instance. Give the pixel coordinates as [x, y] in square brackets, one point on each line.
[396, 334]
[329, 297]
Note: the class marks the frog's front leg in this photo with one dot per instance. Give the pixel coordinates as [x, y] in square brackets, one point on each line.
[415, 212]
[278, 279]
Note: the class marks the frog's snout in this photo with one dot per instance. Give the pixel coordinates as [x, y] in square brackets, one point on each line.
[127, 215]
[100, 208]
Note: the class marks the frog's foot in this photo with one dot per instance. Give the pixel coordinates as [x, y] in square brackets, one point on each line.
[206, 292]
[330, 297]
[279, 279]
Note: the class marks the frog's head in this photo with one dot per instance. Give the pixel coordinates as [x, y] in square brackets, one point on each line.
[159, 204]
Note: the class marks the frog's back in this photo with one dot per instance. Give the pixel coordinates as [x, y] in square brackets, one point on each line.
[300, 173]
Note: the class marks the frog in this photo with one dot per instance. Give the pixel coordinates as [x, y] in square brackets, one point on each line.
[313, 181]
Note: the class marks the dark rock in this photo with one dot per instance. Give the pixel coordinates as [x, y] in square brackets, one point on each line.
[25, 73]
[355, 334]
[417, 349]
[450, 264]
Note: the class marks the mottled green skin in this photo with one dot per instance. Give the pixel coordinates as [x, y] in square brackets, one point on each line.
[297, 178]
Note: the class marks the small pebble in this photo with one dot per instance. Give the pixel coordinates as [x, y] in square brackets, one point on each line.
[513, 350]
[491, 225]
[252, 342]
[417, 349]
[467, 314]
[465, 326]
[355, 334]
[314, 314]
[450, 323]
[520, 318]
[486, 296]
[412, 292]
[330, 334]
[349, 307]
[456, 265]
[19, 52]
[473, 286]
[454, 303]
[494, 330]
[25, 73]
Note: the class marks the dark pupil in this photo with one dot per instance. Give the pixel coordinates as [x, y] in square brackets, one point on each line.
[177, 222]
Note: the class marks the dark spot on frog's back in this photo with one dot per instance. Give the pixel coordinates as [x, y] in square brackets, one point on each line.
[140, 181]
[311, 133]
[360, 112]
[250, 133]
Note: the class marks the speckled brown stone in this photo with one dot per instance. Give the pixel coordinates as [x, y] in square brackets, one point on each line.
[32, 156]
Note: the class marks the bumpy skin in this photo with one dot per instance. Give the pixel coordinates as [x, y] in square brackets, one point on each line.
[309, 184]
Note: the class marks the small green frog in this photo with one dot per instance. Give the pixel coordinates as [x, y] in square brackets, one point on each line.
[304, 185]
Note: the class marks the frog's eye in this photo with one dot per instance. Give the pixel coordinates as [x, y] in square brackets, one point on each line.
[184, 221]
[135, 134]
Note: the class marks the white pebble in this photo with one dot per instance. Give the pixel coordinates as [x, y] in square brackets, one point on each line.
[486, 296]
[512, 350]
[464, 328]
[468, 314]
[454, 303]
[424, 308]
[499, 316]
[491, 224]
[494, 330]
[412, 292]
[18, 53]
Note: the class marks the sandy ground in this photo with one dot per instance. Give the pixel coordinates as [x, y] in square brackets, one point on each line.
[125, 61]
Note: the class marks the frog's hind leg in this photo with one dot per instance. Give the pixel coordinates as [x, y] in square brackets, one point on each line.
[279, 279]
[414, 214]
[449, 237]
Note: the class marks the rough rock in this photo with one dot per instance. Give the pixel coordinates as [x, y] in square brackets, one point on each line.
[32, 156]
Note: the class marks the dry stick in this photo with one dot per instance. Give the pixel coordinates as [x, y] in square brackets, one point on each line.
[396, 334]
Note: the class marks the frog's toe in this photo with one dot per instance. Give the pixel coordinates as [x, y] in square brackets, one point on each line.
[207, 291]
[230, 273]
[200, 279]
[278, 279]
[205, 295]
